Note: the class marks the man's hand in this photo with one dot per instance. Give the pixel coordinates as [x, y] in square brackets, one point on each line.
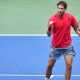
[51, 23]
[48, 33]
[79, 25]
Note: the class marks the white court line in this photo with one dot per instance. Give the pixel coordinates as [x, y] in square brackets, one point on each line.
[21, 75]
[29, 35]
[23, 34]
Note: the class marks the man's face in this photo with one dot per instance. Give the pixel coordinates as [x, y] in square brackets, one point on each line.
[61, 10]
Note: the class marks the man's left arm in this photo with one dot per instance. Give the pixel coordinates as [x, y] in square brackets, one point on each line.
[77, 31]
[75, 25]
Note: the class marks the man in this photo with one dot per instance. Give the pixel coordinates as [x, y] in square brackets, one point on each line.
[59, 26]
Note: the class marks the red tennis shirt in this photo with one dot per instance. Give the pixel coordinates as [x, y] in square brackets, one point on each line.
[61, 29]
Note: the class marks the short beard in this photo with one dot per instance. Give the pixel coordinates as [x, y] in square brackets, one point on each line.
[60, 14]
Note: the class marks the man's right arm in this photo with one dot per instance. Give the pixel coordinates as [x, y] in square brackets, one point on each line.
[50, 26]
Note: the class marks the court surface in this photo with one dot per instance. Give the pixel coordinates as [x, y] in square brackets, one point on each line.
[25, 58]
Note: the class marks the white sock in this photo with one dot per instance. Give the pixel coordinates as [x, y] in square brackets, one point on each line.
[47, 78]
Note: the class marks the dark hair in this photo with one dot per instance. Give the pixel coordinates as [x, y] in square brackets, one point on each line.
[62, 3]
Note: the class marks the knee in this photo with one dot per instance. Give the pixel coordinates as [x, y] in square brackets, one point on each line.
[69, 67]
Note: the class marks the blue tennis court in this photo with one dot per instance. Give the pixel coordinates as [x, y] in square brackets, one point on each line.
[25, 58]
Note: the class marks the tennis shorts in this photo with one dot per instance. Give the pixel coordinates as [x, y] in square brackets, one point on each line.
[56, 53]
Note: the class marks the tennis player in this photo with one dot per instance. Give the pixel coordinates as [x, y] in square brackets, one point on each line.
[59, 26]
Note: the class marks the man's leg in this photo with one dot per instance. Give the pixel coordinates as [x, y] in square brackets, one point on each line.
[68, 61]
[50, 65]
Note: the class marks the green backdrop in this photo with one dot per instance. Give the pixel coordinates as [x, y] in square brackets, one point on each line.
[30, 16]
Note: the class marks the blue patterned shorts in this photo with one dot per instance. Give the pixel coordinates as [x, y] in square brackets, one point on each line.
[56, 53]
